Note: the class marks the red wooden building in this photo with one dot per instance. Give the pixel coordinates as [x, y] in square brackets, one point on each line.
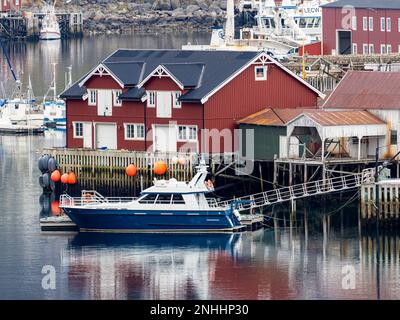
[361, 27]
[7, 5]
[165, 100]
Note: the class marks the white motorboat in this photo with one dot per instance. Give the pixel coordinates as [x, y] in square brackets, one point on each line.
[50, 29]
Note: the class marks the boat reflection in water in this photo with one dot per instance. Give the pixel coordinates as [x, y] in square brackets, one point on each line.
[266, 264]
[146, 266]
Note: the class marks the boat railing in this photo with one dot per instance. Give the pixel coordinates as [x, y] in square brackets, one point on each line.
[90, 197]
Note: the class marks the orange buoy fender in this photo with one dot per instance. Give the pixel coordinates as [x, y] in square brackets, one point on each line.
[160, 168]
[131, 170]
[64, 178]
[55, 176]
[72, 178]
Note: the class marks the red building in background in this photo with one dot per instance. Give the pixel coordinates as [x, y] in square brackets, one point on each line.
[161, 100]
[361, 27]
[7, 5]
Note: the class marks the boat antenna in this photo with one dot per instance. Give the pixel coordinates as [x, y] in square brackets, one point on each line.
[10, 65]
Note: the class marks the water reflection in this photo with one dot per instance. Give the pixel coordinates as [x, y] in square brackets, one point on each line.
[265, 264]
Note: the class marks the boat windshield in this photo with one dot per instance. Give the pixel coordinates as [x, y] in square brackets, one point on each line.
[162, 198]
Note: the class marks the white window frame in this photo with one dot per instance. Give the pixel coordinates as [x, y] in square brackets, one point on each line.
[151, 102]
[354, 48]
[354, 23]
[398, 24]
[383, 49]
[371, 49]
[74, 125]
[264, 77]
[365, 48]
[383, 24]
[117, 102]
[371, 23]
[389, 24]
[365, 24]
[175, 99]
[389, 49]
[135, 131]
[187, 133]
[90, 101]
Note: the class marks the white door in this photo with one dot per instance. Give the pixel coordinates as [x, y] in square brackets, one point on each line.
[87, 135]
[104, 105]
[164, 104]
[165, 138]
[106, 136]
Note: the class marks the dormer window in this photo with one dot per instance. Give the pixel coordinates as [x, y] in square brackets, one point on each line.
[260, 73]
[92, 97]
[151, 99]
[175, 96]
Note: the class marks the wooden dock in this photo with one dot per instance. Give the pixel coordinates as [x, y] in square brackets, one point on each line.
[389, 204]
[96, 168]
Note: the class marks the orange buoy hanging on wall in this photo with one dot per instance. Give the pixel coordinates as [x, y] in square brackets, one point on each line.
[55, 176]
[64, 178]
[72, 178]
[182, 161]
[131, 170]
[160, 168]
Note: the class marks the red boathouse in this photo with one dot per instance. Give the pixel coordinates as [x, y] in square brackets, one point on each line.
[161, 100]
[7, 5]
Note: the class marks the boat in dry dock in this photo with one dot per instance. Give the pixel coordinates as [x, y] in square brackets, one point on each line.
[168, 206]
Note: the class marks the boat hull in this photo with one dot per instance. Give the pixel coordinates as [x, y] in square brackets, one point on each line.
[50, 35]
[123, 221]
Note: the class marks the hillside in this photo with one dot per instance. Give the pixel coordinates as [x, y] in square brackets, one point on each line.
[112, 16]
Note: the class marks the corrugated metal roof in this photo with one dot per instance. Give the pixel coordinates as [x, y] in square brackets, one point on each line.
[343, 118]
[366, 90]
[280, 117]
[376, 4]
[273, 117]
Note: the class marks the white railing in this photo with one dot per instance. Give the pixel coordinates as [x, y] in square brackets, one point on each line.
[296, 192]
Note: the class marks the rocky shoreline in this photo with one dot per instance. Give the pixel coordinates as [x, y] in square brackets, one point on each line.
[113, 17]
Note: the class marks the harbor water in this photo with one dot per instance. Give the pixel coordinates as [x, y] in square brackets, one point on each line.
[321, 253]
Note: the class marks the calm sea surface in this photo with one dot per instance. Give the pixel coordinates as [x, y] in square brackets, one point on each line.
[313, 257]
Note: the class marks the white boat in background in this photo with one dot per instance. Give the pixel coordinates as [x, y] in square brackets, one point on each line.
[20, 110]
[54, 109]
[50, 29]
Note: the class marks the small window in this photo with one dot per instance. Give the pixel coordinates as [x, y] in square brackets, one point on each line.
[389, 49]
[388, 24]
[371, 49]
[117, 100]
[78, 130]
[187, 133]
[365, 48]
[177, 198]
[365, 24]
[151, 99]
[148, 198]
[393, 137]
[175, 97]
[260, 73]
[92, 97]
[354, 50]
[383, 26]
[134, 131]
[182, 133]
[192, 133]
[371, 23]
[383, 49]
[164, 198]
[354, 23]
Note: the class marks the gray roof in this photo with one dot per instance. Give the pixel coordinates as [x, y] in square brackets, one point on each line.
[133, 94]
[200, 71]
[376, 4]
